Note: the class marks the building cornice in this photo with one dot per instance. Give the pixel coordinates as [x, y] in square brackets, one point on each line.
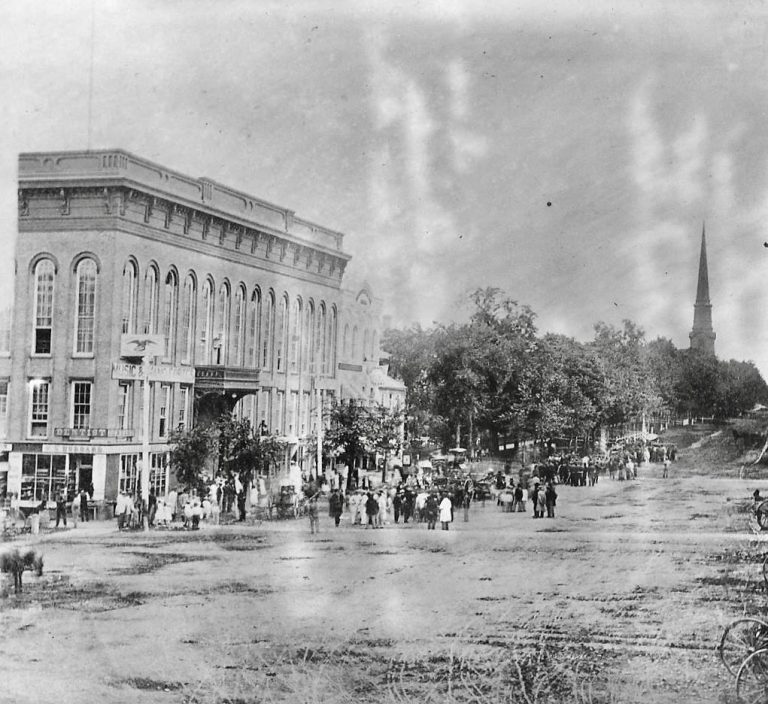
[198, 208]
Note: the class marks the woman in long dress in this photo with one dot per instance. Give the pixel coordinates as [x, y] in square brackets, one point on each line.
[446, 509]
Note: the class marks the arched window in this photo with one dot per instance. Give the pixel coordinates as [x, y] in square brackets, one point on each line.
[43, 319]
[207, 322]
[366, 343]
[150, 302]
[169, 314]
[281, 334]
[221, 342]
[333, 335]
[309, 322]
[322, 340]
[188, 320]
[296, 321]
[239, 327]
[85, 312]
[354, 342]
[268, 332]
[254, 328]
[130, 290]
[345, 342]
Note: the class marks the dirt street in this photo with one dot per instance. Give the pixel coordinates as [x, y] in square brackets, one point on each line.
[621, 598]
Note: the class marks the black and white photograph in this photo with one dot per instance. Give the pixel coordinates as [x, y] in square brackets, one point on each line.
[384, 352]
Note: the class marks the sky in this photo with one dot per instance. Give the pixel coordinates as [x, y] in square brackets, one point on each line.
[566, 153]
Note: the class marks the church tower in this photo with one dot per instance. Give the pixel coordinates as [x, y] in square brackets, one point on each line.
[702, 335]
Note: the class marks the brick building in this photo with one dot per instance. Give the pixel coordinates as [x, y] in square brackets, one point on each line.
[241, 299]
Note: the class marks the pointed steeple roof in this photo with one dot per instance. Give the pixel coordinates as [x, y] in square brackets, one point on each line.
[702, 289]
[702, 335]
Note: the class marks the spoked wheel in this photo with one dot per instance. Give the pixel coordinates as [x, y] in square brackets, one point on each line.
[765, 570]
[761, 513]
[752, 678]
[740, 640]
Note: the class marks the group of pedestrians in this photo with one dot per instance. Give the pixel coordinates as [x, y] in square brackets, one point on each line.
[374, 508]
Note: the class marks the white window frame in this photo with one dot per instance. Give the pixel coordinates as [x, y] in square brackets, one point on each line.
[44, 305]
[35, 386]
[125, 405]
[85, 309]
[77, 387]
[183, 409]
[163, 410]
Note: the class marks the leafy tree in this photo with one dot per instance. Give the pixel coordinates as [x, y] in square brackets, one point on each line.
[242, 450]
[191, 451]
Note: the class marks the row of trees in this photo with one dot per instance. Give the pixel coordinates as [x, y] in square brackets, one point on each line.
[496, 376]
[234, 447]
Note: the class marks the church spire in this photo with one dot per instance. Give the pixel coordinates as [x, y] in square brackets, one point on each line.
[702, 335]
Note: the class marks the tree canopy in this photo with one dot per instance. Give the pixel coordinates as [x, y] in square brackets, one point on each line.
[496, 374]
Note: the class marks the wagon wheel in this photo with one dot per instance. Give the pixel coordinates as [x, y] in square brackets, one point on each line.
[740, 639]
[761, 513]
[765, 569]
[752, 678]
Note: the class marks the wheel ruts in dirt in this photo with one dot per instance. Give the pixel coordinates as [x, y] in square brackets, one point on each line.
[740, 639]
[752, 678]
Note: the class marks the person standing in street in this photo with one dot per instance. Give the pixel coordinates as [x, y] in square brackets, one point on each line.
[336, 506]
[535, 499]
[431, 510]
[446, 512]
[61, 507]
[550, 499]
[83, 505]
[314, 514]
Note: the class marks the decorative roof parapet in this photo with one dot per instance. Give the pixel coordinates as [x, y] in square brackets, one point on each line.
[114, 167]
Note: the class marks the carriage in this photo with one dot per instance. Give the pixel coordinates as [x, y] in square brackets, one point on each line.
[743, 647]
[284, 504]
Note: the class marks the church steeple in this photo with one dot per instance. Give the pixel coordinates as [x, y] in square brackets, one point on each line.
[702, 335]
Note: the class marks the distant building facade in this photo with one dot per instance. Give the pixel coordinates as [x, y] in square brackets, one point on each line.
[702, 336]
[242, 300]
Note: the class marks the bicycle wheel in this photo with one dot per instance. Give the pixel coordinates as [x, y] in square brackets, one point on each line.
[742, 638]
[752, 678]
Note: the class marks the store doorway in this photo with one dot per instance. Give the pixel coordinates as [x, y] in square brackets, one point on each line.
[82, 472]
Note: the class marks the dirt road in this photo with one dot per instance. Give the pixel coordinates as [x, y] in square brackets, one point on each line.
[621, 598]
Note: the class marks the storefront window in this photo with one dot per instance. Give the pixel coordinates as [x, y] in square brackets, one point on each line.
[129, 473]
[42, 476]
[158, 473]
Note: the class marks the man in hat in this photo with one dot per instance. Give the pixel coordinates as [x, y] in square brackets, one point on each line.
[535, 499]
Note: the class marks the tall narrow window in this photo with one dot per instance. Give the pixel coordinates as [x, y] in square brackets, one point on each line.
[238, 329]
[345, 342]
[322, 359]
[38, 408]
[366, 343]
[268, 332]
[221, 342]
[374, 345]
[150, 302]
[86, 306]
[295, 342]
[311, 338]
[6, 315]
[169, 314]
[124, 406]
[163, 409]
[128, 316]
[158, 472]
[183, 411]
[188, 320]
[207, 323]
[280, 333]
[43, 321]
[128, 479]
[354, 342]
[81, 404]
[254, 328]
[333, 335]
[306, 336]
[3, 408]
